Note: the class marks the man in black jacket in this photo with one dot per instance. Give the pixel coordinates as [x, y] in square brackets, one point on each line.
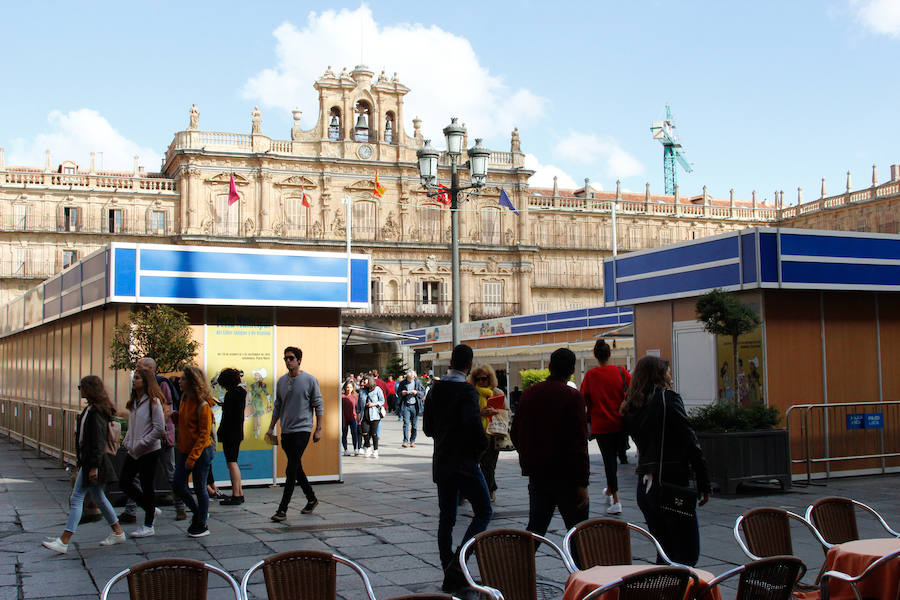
[550, 432]
[453, 419]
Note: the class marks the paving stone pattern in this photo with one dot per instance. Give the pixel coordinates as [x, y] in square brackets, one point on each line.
[384, 516]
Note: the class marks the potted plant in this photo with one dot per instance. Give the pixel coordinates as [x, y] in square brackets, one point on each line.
[742, 444]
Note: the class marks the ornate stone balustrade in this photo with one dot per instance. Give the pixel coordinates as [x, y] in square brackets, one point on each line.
[88, 181]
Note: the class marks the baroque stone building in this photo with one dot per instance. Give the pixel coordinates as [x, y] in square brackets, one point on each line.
[292, 193]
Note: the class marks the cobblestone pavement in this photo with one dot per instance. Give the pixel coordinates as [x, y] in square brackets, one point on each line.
[384, 516]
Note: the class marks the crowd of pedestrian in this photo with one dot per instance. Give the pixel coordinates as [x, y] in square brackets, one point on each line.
[465, 412]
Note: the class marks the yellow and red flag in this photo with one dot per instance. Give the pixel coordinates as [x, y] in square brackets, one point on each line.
[379, 189]
[304, 199]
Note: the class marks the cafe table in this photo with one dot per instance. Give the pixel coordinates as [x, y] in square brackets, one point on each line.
[581, 583]
[853, 557]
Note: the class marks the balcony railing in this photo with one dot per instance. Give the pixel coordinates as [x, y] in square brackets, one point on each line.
[486, 310]
[565, 280]
[404, 307]
[88, 181]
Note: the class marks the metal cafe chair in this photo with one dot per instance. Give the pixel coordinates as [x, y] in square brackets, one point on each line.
[835, 519]
[506, 562]
[772, 578]
[169, 578]
[666, 583]
[302, 575]
[604, 541]
[854, 581]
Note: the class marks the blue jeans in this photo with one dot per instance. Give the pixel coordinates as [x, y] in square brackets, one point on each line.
[76, 502]
[410, 414]
[200, 506]
[469, 483]
[679, 537]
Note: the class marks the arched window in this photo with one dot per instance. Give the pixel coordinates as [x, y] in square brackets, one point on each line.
[334, 124]
[363, 121]
[389, 127]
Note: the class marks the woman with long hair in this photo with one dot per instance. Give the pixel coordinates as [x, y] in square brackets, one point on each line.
[372, 402]
[348, 410]
[195, 446]
[95, 468]
[603, 388]
[484, 379]
[143, 442]
[231, 430]
[649, 403]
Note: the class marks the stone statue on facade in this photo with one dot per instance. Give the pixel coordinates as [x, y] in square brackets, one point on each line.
[417, 132]
[515, 145]
[195, 118]
[257, 120]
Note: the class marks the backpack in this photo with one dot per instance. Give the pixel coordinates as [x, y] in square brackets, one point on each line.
[113, 437]
[174, 390]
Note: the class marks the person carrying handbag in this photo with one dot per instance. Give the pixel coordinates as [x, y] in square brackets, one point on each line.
[668, 455]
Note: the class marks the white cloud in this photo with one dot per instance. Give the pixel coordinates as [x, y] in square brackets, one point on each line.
[543, 175]
[442, 70]
[879, 16]
[73, 136]
[589, 148]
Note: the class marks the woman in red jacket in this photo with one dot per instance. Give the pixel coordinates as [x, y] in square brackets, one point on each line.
[603, 389]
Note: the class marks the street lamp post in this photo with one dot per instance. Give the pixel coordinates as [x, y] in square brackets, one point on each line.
[428, 172]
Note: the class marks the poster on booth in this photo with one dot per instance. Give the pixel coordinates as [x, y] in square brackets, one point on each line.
[743, 385]
[245, 343]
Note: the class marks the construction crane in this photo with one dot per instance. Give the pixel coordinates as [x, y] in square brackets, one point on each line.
[664, 131]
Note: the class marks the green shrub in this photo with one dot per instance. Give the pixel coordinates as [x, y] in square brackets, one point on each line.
[530, 376]
[730, 417]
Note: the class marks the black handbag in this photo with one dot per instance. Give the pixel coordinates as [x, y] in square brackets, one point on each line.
[673, 500]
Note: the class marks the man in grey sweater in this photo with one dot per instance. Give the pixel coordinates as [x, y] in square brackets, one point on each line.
[297, 399]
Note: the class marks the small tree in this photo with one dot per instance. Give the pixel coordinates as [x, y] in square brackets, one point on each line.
[532, 376]
[723, 314]
[159, 331]
[396, 366]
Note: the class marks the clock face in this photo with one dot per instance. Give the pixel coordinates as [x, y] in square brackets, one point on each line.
[364, 151]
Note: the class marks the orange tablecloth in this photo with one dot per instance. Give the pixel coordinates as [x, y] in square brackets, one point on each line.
[853, 557]
[581, 583]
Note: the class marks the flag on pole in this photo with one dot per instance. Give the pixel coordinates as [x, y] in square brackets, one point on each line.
[379, 189]
[443, 195]
[505, 202]
[304, 199]
[232, 192]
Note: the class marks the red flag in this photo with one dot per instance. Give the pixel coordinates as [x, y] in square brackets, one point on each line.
[232, 192]
[304, 199]
[443, 195]
[379, 189]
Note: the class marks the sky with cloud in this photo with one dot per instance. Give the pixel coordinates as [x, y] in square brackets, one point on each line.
[769, 96]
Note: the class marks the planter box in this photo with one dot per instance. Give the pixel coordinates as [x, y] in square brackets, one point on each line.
[743, 456]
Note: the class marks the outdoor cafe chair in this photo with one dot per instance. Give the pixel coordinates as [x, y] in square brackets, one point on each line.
[506, 561]
[855, 581]
[768, 533]
[772, 578]
[666, 583]
[835, 519]
[604, 542]
[302, 575]
[434, 596]
[169, 578]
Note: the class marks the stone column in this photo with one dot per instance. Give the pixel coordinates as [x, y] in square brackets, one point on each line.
[467, 293]
[525, 280]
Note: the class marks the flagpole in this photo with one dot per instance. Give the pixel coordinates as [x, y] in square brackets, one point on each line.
[346, 200]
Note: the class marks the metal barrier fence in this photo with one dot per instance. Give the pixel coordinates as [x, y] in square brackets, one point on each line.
[850, 431]
[50, 430]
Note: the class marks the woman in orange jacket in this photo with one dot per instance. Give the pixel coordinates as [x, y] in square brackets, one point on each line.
[195, 446]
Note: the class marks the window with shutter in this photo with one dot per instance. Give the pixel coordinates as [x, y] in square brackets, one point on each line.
[70, 219]
[492, 296]
[226, 216]
[158, 221]
[116, 220]
[430, 296]
[21, 216]
[363, 220]
[490, 226]
[295, 217]
[69, 257]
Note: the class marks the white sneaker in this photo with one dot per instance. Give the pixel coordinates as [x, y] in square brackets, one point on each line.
[113, 538]
[608, 496]
[56, 545]
[356, 452]
[375, 454]
[347, 453]
[143, 531]
[615, 509]
[368, 452]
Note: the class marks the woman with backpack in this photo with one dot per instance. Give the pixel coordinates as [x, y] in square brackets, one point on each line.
[603, 388]
[95, 467]
[196, 446]
[143, 441]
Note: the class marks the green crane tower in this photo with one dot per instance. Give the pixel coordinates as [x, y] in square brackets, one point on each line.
[664, 131]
